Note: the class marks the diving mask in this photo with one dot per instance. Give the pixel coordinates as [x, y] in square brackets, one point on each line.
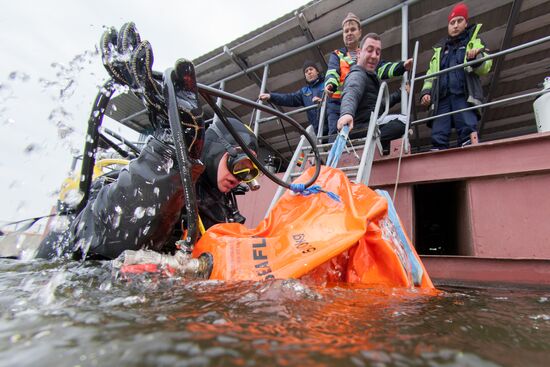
[242, 167]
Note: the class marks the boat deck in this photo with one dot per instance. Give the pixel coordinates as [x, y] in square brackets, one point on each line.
[478, 213]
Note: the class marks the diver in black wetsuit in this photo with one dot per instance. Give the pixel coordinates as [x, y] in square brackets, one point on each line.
[144, 207]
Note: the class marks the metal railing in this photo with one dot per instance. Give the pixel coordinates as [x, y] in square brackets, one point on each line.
[365, 166]
[320, 41]
[403, 7]
[291, 165]
[469, 64]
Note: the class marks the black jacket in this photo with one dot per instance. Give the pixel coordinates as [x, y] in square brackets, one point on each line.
[360, 93]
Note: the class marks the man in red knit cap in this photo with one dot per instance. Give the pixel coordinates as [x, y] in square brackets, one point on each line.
[459, 88]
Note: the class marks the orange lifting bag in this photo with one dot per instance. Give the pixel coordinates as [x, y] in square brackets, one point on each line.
[316, 237]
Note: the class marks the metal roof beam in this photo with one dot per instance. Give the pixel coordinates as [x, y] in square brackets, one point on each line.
[512, 20]
[239, 61]
[302, 22]
[320, 41]
[229, 111]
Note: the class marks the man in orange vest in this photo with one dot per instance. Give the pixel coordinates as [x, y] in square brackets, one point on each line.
[340, 62]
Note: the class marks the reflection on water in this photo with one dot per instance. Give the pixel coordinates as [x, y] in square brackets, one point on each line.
[68, 314]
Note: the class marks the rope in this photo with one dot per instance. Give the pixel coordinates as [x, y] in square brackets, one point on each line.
[315, 189]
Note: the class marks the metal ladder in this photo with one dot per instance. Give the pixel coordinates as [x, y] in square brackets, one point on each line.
[359, 173]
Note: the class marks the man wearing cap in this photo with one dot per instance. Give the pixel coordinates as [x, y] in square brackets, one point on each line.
[361, 92]
[308, 95]
[340, 62]
[457, 89]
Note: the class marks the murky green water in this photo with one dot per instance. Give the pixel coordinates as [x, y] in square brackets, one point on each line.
[68, 314]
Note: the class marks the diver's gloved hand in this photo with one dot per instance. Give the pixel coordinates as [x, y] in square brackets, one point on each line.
[116, 51]
[141, 66]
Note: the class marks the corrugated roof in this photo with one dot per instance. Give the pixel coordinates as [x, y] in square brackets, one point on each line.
[506, 23]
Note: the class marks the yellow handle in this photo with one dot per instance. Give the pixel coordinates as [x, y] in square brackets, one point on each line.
[99, 165]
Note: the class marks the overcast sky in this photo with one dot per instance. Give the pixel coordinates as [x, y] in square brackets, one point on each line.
[50, 71]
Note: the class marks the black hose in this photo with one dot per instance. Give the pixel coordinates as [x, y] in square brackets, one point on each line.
[112, 144]
[132, 147]
[207, 91]
[183, 159]
[92, 141]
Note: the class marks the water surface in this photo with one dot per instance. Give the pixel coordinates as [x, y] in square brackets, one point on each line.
[72, 314]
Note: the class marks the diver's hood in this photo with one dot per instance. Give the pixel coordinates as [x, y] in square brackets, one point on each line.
[215, 148]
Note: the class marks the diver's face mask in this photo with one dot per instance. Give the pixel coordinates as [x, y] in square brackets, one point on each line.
[241, 166]
[238, 163]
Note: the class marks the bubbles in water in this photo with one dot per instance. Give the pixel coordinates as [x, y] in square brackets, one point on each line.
[47, 293]
[126, 301]
[167, 165]
[60, 223]
[63, 130]
[84, 246]
[106, 285]
[68, 90]
[73, 197]
[9, 121]
[543, 317]
[139, 212]
[150, 211]
[116, 216]
[31, 148]
[19, 76]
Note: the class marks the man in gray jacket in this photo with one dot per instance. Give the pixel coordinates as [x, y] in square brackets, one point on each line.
[361, 91]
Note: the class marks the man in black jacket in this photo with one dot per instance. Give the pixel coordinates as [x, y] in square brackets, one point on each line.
[361, 91]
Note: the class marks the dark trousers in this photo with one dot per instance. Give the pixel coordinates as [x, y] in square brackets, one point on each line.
[389, 131]
[464, 122]
[333, 114]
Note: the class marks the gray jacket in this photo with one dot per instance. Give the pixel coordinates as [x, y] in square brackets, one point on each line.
[360, 93]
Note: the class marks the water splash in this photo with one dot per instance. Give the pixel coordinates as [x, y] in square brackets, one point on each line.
[150, 211]
[47, 293]
[115, 221]
[167, 165]
[139, 212]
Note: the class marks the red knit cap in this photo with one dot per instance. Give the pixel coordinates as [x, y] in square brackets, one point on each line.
[459, 10]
